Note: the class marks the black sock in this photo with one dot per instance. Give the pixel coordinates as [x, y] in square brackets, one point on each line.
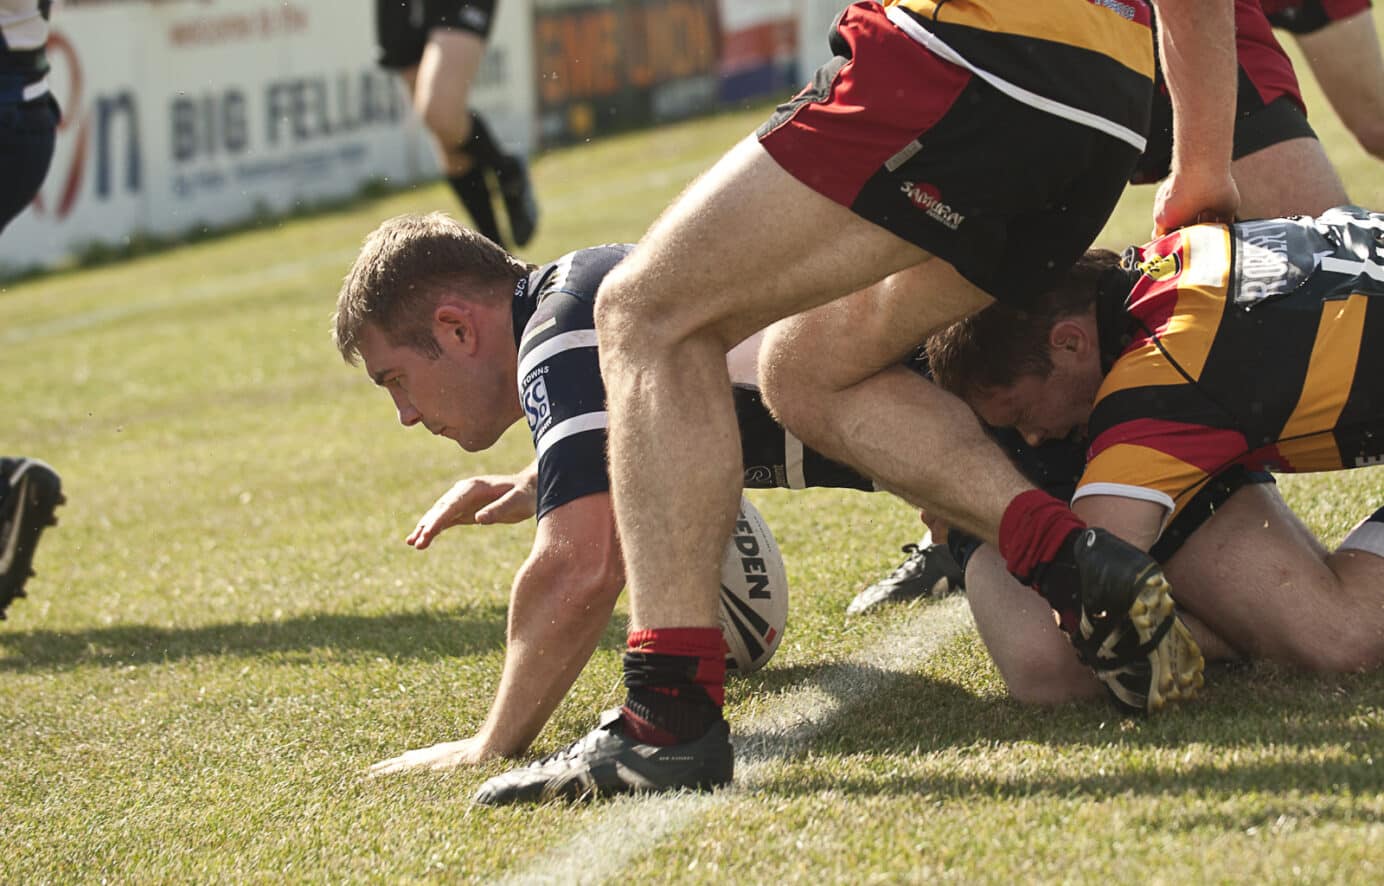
[474, 193]
[666, 702]
[481, 146]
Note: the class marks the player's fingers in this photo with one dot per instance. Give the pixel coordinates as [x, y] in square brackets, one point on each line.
[497, 510]
[425, 536]
[385, 767]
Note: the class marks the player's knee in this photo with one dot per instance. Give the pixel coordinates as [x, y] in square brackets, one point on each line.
[1358, 646]
[1046, 675]
[1047, 687]
[787, 386]
[632, 314]
[1370, 134]
[449, 122]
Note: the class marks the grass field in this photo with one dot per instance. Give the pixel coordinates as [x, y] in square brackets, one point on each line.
[227, 629]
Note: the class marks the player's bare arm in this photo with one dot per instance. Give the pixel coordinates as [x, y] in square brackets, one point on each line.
[482, 501]
[560, 603]
[1196, 41]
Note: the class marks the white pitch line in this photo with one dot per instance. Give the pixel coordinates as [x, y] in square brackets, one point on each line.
[630, 827]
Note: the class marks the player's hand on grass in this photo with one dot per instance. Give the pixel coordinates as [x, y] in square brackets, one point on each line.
[1190, 199]
[435, 758]
[510, 498]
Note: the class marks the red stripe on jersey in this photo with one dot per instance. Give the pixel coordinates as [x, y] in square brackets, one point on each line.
[1210, 449]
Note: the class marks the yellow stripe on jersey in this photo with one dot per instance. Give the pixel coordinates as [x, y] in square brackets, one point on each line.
[1201, 297]
[1076, 23]
[1143, 367]
[1330, 369]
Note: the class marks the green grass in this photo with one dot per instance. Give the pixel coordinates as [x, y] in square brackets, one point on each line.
[227, 629]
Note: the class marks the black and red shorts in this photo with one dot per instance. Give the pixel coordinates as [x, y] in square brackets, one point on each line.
[1269, 107]
[1008, 194]
[1309, 16]
[402, 26]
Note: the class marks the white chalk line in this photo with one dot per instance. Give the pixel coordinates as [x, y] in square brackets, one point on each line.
[630, 827]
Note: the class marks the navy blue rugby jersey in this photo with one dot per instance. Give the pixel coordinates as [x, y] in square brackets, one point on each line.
[564, 397]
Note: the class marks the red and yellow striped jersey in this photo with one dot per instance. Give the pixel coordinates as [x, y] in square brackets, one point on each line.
[1087, 60]
[1259, 344]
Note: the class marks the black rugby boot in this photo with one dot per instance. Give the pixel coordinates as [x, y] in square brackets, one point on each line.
[30, 491]
[605, 762]
[927, 571]
[1127, 631]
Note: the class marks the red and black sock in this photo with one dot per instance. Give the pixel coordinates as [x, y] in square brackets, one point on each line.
[675, 679]
[1037, 538]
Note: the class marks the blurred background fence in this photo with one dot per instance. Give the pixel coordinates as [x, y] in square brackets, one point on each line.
[182, 116]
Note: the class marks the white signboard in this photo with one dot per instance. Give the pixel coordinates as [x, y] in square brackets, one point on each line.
[185, 115]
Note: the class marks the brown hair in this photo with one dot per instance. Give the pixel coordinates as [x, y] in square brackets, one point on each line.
[995, 347]
[404, 267]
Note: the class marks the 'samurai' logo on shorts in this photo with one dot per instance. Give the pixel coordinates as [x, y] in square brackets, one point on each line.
[927, 198]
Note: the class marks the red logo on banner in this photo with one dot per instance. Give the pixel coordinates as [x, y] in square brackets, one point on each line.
[61, 50]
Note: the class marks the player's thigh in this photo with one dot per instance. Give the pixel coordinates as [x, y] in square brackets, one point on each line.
[1292, 177]
[747, 244]
[855, 337]
[449, 64]
[1346, 59]
[1256, 576]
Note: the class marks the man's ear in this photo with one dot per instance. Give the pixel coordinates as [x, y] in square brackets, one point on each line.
[1070, 335]
[455, 324]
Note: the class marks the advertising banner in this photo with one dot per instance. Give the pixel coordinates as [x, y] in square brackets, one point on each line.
[182, 115]
[603, 65]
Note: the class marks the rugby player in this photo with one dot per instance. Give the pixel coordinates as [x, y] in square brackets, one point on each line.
[1280, 169]
[1208, 354]
[466, 339]
[1341, 45]
[994, 134]
[436, 46]
[29, 489]
[28, 112]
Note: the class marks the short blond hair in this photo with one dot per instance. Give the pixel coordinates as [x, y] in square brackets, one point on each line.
[403, 269]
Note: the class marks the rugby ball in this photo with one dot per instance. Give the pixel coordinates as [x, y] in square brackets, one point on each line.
[754, 593]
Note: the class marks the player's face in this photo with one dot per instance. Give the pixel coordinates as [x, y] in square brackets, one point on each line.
[439, 393]
[1041, 408]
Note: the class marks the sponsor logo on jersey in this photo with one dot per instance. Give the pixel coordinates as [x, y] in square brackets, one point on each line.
[1271, 259]
[537, 407]
[927, 198]
[1161, 267]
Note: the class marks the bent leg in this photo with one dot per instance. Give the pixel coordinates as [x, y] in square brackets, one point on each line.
[709, 273]
[1259, 578]
[442, 91]
[832, 376]
[1346, 60]
[1032, 654]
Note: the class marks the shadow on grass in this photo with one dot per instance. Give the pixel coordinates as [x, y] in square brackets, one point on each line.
[1354, 788]
[407, 635]
[889, 714]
